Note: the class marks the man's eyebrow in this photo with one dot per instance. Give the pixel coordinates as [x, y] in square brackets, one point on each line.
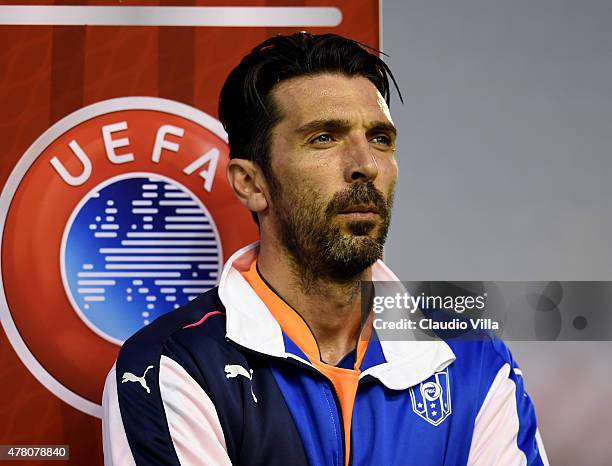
[382, 127]
[331, 124]
[340, 125]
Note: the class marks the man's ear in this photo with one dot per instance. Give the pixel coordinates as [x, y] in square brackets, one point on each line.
[247, 182]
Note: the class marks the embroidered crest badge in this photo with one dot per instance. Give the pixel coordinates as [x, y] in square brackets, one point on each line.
[431, 399]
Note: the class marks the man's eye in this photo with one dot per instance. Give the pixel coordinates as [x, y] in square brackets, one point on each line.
[381, 139]
[322, 139]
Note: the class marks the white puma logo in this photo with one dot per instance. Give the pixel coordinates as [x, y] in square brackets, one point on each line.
[234, 370]
[129, 377]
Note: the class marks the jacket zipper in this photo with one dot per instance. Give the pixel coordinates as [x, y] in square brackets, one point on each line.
[340, 419]
[361, 382]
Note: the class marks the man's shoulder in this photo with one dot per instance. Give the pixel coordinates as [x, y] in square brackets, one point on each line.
[186, 330]
[479, 363]
[484, 354]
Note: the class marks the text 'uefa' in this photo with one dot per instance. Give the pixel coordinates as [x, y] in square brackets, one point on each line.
[205, 164]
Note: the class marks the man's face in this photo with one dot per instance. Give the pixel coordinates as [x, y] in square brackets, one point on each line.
[333, 173]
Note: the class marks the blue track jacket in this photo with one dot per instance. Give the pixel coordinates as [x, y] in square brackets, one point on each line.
[218, 382]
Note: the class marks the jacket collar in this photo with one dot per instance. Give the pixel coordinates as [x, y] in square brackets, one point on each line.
[251, 325]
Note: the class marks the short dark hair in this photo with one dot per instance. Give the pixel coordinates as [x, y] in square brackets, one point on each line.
[246, 108]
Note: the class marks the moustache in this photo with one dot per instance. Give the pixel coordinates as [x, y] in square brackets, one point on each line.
[358, 194]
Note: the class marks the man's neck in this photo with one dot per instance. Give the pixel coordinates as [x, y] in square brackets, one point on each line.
[331, 310]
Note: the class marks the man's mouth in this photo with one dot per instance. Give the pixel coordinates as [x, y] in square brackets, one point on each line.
[357, 212]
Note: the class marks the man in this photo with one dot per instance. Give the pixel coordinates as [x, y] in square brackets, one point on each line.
[277, 366]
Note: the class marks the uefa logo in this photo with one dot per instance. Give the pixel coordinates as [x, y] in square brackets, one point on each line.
[135, 247]
[116, 215]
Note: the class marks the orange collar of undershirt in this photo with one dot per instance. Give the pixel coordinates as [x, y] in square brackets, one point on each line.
[292, 324]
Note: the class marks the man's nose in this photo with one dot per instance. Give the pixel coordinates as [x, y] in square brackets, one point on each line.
[361, 163]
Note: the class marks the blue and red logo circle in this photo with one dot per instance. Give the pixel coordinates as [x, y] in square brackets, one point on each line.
[117, 214]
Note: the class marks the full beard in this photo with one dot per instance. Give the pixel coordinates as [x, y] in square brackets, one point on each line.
[312, 235]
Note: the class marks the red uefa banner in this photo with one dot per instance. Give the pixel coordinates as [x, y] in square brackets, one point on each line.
[114, 205]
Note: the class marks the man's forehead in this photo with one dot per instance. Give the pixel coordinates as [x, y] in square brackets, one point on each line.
[329, 95]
